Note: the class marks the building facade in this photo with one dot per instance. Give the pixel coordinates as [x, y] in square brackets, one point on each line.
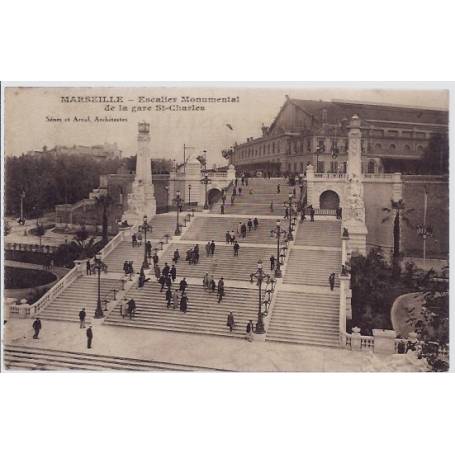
[394, 138]
[99, 152]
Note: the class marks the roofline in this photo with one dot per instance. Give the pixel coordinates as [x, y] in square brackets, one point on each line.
[402, 106]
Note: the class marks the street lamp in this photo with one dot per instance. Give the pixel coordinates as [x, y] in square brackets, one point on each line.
[22, 220]
[205, 181]
[189, 195]
[424, 231]
[178, 203]
[146, 227]
[98, 266]
[278, 231]
[260, 276]
[167, 196]
[289, 205]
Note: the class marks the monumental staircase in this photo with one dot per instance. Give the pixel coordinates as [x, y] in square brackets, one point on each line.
[204, 315]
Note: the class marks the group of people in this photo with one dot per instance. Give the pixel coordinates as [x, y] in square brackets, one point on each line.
[192, 255]
[249, 326]
[136, 239]
[127, 308]
[128, 269]
[208, 282]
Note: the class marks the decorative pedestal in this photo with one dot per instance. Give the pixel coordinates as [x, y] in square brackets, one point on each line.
[357, 237]
[384, 341]
[356, 343]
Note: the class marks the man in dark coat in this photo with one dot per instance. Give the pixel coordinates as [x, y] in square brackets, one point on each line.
[236, 248]
[168, 297]
[166, 270]
[212, 248]
[220, 289]
[89, 333]
[250, 225]
[36, 327]
[249, 330]
[155, 259]
[88, 267]
[272, 262]
[256, 223]
[176, 256]
[148, 249]
[183, 285]
[168, 281]
[312, 211]
[278, 189]
[82, 315]
[173, 272]
[230, 321]
[162, 281]
[332, 281]
[131, 308]
[222, 209]
[243, 230]
[228, 237]
[184, 303]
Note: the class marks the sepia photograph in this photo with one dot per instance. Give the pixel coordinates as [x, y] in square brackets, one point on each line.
[225, 228]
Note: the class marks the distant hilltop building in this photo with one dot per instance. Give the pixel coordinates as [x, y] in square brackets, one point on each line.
[394, 138]
[100, 152]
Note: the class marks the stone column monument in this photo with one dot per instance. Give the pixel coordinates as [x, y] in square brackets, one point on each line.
[141, 200]
[354, 213]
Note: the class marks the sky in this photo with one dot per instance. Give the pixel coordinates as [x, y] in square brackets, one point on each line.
[28, 110]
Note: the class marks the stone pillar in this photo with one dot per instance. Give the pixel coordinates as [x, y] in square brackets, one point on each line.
[356, 341]
[397, 187]
[354, 213]
[310, 184]
[384, 341]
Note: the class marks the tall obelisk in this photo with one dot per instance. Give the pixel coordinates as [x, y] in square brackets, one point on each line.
[141, 200]
[354, 213]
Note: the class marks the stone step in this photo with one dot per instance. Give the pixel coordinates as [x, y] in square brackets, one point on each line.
[18, 357]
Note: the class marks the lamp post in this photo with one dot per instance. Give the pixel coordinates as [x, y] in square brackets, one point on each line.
[98, 266]
[278, 231]
[189, 195]
[22, 208]
[260, 276]
[146, 227]
[178, 203]
[167, 196]
[424, 230]
[289, 205]
[205, 181]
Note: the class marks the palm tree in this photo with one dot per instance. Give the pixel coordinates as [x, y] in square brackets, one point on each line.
[399, 213]
[104, 201]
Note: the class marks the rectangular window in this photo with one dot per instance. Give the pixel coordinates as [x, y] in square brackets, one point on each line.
[378, 133]
[420, 135]
[392, 133]
[320, 167]
[407, 134]
[333, 167]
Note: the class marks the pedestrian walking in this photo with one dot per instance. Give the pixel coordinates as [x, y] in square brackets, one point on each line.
[168, 281]
[173, 272]
[240, 190]
[89, 334]
[212, 284]
[255, 223]
[130, 270]
[208, 248]
[123, 306]
[286, 213]
[36, 327]
[133, 240]
[168, 297]
[212, 248]
[250, 225]
[205, 281]
[230, 321]
[332, 281]
[249, 330]
[236, 248]
[183, 285]
[312, 211]
[176, 256]
[278, 189]
[139, 239]
[82, 315]
[222, 209]
[155, 259]
[175, 299]
[243, 230]
[148, 249]
[162, 281]
[125, 267]
[239, 228]
[131, 308]
[184, 303]
[157, 272]
[166, 270]
[232, 236]
[228, 237]
[271, 207]
[220, 289]
[272, 262]
[88, 267]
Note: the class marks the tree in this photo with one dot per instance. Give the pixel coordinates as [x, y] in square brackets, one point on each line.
[39, 231]
[399, 214]
[104, 201]
[435, 158]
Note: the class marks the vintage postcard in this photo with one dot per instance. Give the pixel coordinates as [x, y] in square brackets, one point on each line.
[225, 228]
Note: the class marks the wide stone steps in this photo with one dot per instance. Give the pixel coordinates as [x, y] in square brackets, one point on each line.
[312, 267]
[31, 358]
[125, 252]
[214, 228]
[204, 315]
[319, 233]
[222, 264]
[83, 293]
[297, 318]
[164, 224]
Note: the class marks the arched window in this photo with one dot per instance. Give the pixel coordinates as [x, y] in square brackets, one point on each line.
[371, 165]
[420, 148]
[378, 147]
[392, 147]
[407, 148]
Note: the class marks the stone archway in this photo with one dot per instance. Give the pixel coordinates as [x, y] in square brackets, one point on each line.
[213, 196]
[329, 200]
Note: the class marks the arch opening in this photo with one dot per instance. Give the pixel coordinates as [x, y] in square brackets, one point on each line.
[213, 196]
[329, 200]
